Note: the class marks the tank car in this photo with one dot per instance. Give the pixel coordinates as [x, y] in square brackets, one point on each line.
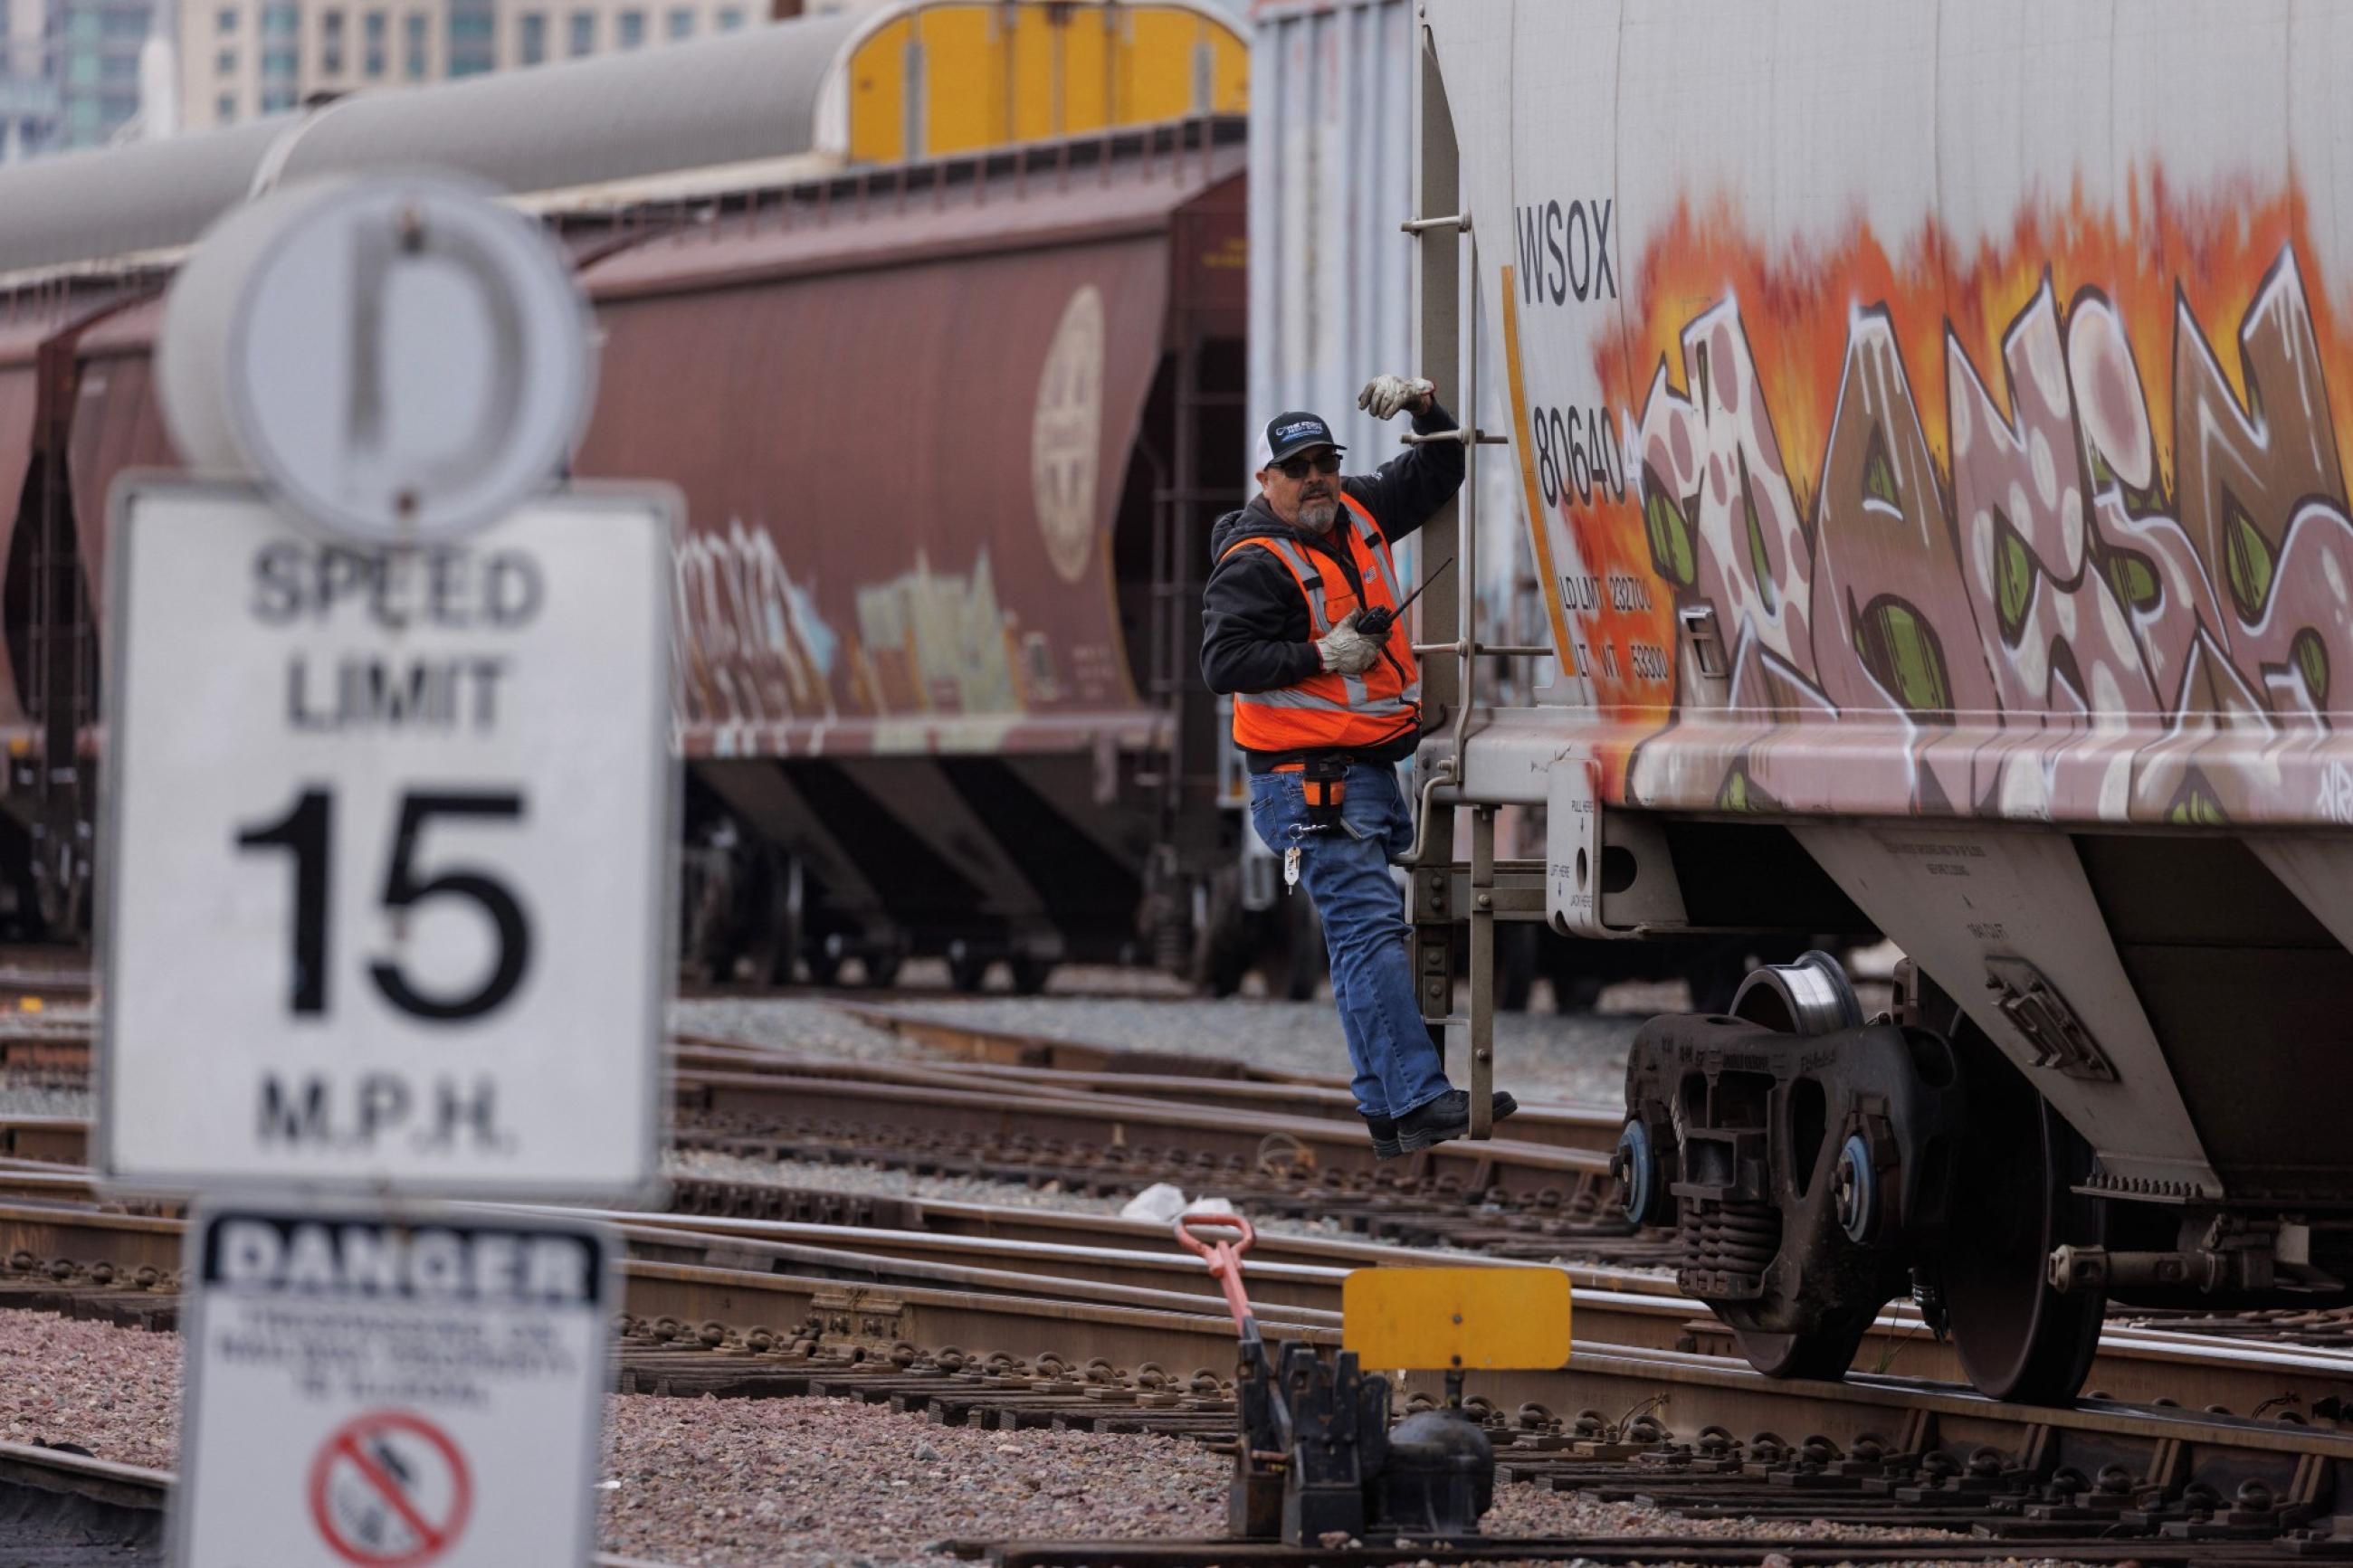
[1928, 420]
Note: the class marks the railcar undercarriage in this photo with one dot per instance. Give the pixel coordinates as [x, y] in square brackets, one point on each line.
[1817, 1164]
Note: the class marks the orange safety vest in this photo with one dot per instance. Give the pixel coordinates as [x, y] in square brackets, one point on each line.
[1328, 711]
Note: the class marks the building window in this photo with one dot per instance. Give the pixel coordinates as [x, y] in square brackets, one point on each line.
[632, 28]
[277, 100]
[279, 62]
[124, 25]
[682, 22]
[375, 26]
[225, 63]
[473, 36]
[281, 20]
[225, 108]
[729, 18]
[533, 44]
[226, 23]
[584, 33]
[415, 61]
[375, 63]
[119, 68]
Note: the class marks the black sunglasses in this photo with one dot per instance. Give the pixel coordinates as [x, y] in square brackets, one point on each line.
[1297, 468]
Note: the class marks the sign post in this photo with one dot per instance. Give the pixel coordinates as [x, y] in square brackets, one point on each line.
[389, 820]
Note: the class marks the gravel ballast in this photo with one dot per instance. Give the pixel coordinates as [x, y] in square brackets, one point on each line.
[35, 1094]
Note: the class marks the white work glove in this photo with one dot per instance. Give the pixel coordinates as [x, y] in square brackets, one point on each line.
[1385, 395]
[1344, 650]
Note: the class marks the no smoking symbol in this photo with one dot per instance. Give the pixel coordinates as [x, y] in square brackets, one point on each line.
[389, 1491]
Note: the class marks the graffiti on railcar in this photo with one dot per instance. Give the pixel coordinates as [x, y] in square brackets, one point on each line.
[2066, 515]
[755, 653]
[751, 647]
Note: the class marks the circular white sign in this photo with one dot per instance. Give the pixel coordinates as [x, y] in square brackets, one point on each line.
[398, 359]
[1064, 432]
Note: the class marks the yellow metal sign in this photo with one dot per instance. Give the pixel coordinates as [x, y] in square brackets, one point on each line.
[1423, 1319]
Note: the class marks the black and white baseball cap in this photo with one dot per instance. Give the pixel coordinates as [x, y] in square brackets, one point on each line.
[1295, 432]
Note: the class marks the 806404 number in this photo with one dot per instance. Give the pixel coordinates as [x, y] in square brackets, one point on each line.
[1576, 455]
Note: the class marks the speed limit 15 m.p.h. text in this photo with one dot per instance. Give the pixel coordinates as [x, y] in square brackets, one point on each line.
[387, 840]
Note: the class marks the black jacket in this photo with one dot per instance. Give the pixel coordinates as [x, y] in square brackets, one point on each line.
[1255, 634]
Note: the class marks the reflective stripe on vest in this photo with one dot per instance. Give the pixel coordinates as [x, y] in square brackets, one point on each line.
[1327, 711]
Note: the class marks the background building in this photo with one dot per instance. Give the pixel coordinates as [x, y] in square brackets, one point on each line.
[96, 63]
[242, 58]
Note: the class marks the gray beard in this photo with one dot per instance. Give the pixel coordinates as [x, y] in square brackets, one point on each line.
[1318, 516]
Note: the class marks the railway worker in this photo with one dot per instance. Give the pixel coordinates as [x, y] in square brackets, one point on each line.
[1324, 712]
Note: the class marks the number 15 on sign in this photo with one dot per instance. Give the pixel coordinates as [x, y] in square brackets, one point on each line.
[307, 834]
[388, 848]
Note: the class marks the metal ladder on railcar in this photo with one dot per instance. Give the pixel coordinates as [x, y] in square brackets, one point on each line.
[1442, 892]
[1183, 504]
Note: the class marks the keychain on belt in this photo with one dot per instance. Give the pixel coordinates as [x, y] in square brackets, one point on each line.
[1324, 789]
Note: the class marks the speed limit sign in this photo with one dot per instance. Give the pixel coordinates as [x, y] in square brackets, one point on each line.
[387, 832]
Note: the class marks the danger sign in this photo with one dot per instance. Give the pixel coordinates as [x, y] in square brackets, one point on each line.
[408, 1391]
[390, 1490]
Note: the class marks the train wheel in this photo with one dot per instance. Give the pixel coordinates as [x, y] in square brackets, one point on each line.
[1030, 975]
[1826, 1352]
[2018, 1339]
[967, 972]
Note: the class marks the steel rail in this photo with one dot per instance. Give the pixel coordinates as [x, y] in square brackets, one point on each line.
[1629, 1550]
[2081, 1545]
[1590, 1128]
[1570, 1126]
[1239, 1139]
[930, 1101]
[133, 1496]
[1014, 1047]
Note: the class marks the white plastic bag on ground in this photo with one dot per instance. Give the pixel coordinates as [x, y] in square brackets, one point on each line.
[1161, 1203]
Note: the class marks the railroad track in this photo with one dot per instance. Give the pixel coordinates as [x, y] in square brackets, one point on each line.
[84, 1503]
[1293, 1147]
[53, 1235]
[1097, 1119]
[974, 1329]
[60, 1043]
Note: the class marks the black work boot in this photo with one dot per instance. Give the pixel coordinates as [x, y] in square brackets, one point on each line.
[1384, 1136]
[1448, 1116]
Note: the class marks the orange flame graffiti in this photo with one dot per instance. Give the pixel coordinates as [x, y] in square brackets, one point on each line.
[2213, 252]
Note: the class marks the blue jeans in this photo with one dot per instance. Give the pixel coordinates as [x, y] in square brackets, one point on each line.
[1347, 876]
